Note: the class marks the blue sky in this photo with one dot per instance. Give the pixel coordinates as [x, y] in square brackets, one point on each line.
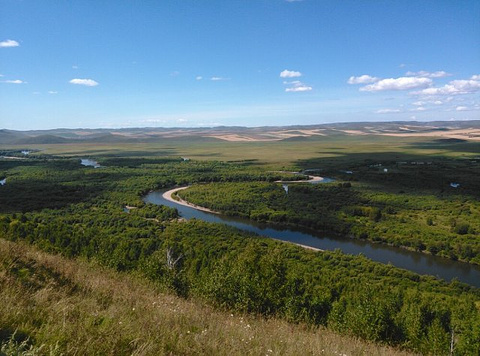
[191, 63]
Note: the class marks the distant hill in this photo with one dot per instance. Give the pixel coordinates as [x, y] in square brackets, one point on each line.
[460, 130]
[10, 137]
[42, 139]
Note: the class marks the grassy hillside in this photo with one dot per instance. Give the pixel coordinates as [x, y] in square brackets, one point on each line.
[61, 306]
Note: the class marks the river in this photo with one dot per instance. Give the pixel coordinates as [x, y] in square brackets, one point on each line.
[89, 163]
[411, 260]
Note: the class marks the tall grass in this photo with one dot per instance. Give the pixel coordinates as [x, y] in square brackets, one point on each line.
[52, 306]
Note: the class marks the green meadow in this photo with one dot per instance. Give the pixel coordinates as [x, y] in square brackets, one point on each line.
[287, 151]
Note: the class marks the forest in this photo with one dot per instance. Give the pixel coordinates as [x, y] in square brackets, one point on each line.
[439, 221]
[61, 207]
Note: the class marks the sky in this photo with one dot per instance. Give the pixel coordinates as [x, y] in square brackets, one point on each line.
[192, 63]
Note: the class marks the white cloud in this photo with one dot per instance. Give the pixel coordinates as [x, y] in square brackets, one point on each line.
[294, 85]
[290, 74]
[475, 77]
[86, 82]
[402, 83]
[422, 73]
[422, 103]
[419, 103]
[16, 81]
[9, 43]
[363, 79]
[420, 108]
[217, 79]
[297, 86]
[53, 92]
[299, 89]
[461, 108]
[455, 87]
[440, 74]
[387, 111]
[198, 77]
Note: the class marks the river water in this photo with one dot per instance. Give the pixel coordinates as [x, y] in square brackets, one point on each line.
[89, 163]
[414, 261]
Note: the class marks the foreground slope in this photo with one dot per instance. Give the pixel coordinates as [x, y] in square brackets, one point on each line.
[78, 308]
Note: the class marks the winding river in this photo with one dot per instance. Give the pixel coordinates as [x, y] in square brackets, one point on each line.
[414, 261]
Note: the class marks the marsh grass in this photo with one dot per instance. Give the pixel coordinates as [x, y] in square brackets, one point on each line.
[52, 306]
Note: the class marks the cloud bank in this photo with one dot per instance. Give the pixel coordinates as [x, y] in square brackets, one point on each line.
[455, 87]
[402, 83]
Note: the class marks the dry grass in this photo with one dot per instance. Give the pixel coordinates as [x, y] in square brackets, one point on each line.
[85, 309]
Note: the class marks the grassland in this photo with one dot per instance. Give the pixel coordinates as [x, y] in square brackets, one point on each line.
[338, 145]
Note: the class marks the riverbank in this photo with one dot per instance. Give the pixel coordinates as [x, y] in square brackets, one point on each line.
[168, 195]
[312, 179]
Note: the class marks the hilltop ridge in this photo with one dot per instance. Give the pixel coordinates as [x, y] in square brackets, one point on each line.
[464, 130]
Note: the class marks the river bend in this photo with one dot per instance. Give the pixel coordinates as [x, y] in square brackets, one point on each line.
[410, 260]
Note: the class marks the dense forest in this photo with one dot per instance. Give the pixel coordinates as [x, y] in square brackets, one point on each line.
[403, 204]
[62, 207]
